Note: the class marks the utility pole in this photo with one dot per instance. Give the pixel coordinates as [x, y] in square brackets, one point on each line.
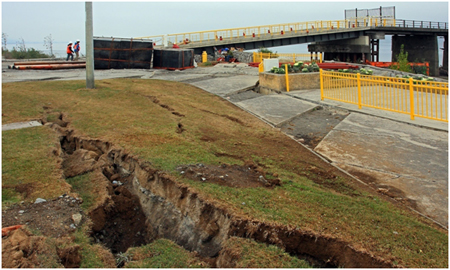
[89, 47]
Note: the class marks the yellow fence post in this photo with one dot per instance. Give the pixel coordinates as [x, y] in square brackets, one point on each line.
[358, 79]
[261, 67]
[411, 97]
[320, 54]
[287, 77]
[254, 57]
[321, 84]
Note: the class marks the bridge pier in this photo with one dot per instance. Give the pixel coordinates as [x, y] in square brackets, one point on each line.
[348, 50]
[420, 48]
[445, 55]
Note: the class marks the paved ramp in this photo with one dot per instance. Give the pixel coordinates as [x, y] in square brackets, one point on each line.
[227, 85]
[401, 159]
[20, 125]
[276, 109]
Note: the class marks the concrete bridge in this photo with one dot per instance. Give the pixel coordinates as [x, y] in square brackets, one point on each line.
[359, 36]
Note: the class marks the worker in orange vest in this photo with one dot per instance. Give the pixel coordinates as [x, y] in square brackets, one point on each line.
[76, 49]
[69, 51]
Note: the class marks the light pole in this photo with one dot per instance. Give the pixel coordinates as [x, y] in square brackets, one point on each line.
[89, 48]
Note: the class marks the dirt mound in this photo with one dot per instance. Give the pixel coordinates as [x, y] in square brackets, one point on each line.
[51, 218]
[247, 175]
[21, 249]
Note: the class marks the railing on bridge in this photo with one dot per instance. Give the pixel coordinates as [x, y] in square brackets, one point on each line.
[421, 24]
[289, 57]
[417, 98]
[265, 31]
[269, 30]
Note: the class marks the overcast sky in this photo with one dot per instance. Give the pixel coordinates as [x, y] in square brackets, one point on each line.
[65, 21]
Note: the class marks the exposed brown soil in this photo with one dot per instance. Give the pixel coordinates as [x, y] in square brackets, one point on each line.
[51, 218]
[119, 223]
[54, 222]
[248, 175]
[22, 249]
[394, 193]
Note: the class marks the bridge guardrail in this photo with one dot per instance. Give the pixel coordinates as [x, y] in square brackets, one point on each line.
[289, 28]
[417, 98]
[268, 30]
[421, 24]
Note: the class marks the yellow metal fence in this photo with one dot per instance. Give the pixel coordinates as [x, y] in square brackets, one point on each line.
[289, 57]
[270, 30]
[427, 99]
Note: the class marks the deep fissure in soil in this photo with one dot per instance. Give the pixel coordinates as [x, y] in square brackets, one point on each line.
[147, 204]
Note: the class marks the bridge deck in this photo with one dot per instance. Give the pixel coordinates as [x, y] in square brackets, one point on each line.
[297, 33]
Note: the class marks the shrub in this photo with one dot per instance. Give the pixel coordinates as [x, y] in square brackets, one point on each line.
[24, 54]
[402, 61]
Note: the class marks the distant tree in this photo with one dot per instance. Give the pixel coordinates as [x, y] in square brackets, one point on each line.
[20, 45]
[48, 43]
[402, 61]
[20, 50]
[4, 41]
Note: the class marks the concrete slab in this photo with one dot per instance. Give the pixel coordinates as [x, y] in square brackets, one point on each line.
[20, 125]
[276, 109]
[178, 76]
[71, 74]
[399, 155]
[314, 96]
[227, 85]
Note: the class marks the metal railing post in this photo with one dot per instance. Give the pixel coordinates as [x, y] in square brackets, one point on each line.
[411, 97]
[321, 84]
[358, 80]
[287, 77]
[261, 67]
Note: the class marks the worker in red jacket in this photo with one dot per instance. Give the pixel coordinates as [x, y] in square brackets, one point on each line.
[69, 51]
[175, 46]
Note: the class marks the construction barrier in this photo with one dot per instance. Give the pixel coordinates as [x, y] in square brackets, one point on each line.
[427, 99]
[390, 64]
[290, 57]
[120, 53]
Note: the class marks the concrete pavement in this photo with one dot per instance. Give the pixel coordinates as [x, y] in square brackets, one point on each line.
[403, 158]
[406, 159]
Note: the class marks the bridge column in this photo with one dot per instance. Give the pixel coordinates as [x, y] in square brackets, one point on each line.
[445, 54]
[374, 50]
[420, 48]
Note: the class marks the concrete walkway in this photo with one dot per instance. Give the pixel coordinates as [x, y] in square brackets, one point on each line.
[20, 125]
[407, 159]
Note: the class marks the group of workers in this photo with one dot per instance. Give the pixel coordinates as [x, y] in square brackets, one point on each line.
[71, 50]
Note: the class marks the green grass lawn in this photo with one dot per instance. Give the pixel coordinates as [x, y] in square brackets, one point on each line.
[143, 117]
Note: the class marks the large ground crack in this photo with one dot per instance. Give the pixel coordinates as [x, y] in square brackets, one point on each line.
[145, 204]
